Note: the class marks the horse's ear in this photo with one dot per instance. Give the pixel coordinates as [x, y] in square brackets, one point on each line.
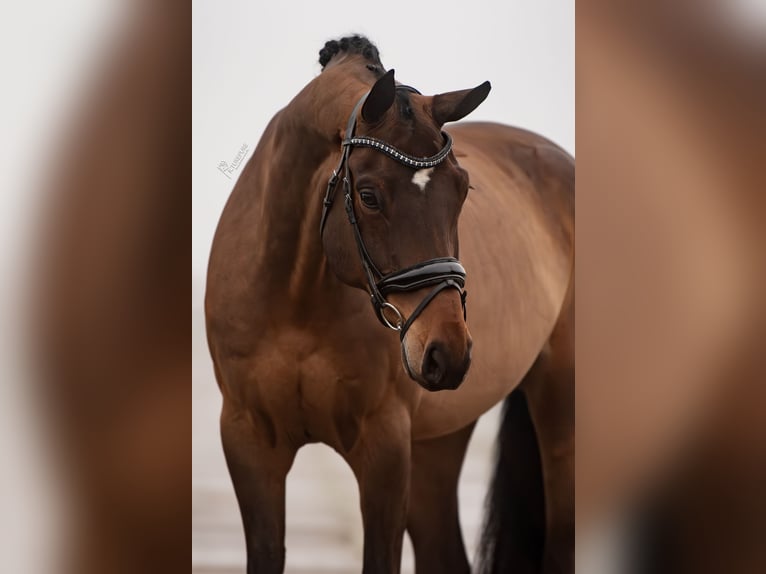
[453, 106]
[380, 98]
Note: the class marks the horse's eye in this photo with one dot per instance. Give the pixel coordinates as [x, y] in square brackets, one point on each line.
[369, 199]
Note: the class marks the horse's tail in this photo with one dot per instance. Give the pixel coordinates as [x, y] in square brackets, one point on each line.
[514, 521]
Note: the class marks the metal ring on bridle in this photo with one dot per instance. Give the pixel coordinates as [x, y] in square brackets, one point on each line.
[389, 324]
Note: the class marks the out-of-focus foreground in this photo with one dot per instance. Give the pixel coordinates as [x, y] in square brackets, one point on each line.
[671, 445]
[97, 268]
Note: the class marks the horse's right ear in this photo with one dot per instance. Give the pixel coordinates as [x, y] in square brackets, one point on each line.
[453, 106]
[380, 98]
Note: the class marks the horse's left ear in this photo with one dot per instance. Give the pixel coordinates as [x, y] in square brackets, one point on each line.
[453, 106]
[380, 98]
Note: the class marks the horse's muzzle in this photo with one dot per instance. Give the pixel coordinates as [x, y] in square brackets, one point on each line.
[440, 368]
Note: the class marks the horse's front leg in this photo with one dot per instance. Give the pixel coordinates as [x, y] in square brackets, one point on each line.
[258, 469]
[381, 462]
[433, 523]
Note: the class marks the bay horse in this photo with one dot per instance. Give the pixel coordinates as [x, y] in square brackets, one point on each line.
[300, 356]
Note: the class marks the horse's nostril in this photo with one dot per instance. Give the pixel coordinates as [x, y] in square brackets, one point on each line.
[434, 364]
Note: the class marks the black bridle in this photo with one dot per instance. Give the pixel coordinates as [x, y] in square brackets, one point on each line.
[440, 273]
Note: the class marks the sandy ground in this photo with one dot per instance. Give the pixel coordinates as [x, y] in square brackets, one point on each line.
[324, 526]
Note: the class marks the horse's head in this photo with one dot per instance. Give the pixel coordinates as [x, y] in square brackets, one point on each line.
[397, 236]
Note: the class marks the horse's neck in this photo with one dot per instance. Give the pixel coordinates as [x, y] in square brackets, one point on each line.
[293, 163]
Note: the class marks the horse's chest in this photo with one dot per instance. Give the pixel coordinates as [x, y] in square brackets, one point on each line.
[315, 393]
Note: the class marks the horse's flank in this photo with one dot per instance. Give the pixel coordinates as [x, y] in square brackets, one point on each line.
[517, 244]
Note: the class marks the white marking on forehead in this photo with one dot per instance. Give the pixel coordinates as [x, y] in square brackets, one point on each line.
[422, 177]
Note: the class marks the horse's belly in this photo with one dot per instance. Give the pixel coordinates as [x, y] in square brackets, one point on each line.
[517, 278]
[495, 371]
[506, 342]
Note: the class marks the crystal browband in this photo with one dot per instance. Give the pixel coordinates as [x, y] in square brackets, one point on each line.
[400, 156]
